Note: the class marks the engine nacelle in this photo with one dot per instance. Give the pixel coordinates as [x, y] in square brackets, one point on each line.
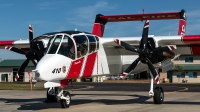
[168, 54]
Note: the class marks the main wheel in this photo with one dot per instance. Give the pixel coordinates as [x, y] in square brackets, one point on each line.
[65, 103]
[51, 97]
[158, 97]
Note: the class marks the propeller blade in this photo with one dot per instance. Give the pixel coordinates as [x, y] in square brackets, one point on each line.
[153, 71]
[125, 45]
[15, 49]
[131, 67]
[23, 66]
[34, 62]
[30, 34]
[164, 48]
[143, 41]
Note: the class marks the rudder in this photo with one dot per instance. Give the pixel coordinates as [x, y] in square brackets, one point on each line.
[182, 23]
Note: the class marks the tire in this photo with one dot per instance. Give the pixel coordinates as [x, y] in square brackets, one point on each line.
[158, 97]
[51, 98]
[65, 103]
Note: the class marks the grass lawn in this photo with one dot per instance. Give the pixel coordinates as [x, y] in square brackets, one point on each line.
[18, 86]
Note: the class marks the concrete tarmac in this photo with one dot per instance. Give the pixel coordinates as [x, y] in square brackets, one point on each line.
[84, 98]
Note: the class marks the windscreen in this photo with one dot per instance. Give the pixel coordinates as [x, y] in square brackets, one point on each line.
[63, 45]
[54, 44]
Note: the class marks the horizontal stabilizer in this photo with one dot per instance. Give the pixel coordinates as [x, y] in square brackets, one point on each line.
[139, 17]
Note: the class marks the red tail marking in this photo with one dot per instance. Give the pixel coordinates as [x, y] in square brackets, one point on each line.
[98, 29]
[182, 27]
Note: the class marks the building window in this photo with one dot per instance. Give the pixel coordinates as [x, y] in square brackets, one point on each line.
[180, 75]
[189, 59]
[192, 74]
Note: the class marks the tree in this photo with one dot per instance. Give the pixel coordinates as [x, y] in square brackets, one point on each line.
[178, 68]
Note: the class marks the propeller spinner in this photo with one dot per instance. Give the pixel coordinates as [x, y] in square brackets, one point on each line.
[145, 52]
[36, 52]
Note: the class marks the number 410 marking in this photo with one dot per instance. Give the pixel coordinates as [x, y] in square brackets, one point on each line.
[56, 70]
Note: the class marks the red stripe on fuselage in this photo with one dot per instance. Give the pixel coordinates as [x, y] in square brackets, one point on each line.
[75, 68]
[192, 39]
[89, 66]
[64, 82]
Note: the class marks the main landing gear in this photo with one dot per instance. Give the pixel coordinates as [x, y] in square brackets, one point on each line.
[157, 93]
[158, 97]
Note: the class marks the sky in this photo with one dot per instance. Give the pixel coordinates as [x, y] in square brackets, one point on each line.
[59, 15]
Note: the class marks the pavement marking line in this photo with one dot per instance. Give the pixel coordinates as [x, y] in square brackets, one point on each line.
[178, 91]
[88, 87]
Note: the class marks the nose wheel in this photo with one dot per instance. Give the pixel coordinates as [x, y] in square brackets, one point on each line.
[158, 97]
[65, 99]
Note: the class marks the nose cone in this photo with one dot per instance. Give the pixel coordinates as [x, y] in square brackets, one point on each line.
[52, 67]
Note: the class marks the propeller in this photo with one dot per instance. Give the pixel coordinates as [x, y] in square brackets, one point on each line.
[36, 52]
[146, 53]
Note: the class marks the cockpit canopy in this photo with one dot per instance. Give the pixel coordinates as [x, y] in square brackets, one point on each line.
[73, 45]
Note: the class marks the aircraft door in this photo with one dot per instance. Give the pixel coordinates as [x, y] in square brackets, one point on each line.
[81, 45]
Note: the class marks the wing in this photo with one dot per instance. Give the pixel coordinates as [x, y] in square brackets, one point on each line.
[110, 45]
[16, 43]
[186, 45]
[23, 44]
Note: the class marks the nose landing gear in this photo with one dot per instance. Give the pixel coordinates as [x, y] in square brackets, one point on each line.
[51, 95]
[65, 99]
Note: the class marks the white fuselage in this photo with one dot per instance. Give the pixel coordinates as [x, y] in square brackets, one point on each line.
[104, 61]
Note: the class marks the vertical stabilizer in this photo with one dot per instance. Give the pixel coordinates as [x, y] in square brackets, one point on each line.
[182, 23]
[99, 25]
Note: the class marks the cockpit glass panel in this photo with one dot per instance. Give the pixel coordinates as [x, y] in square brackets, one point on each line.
[50, 41]
[54, 44]
[67, 48]
[92, 43]
[63, 46]
[81, 44]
